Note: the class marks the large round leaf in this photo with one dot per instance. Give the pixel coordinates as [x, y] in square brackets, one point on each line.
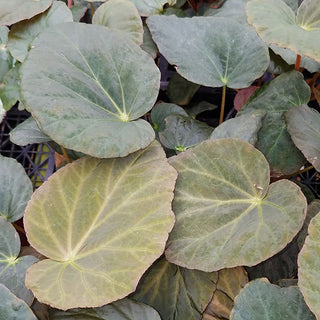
[120, 310]
[12, 307]
[101, 223]
[16, 10]
[89, 98]
[226, 213]
[210, 51]
[15, 189]
[175, 292]
[24, 32]
[277, 23]
[120, 15]
[303, 124]
[275, 98]
[264, 301]
[12, 268]
[309, 267]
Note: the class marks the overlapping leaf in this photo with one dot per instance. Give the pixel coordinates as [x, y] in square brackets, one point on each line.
[150, 7]
[226, 213]
[309, 266]
[221, 51]
[9, 88]
[15, 189]
[276, 97]
[120, 15]
[5, 57]
[304, 127]
[101, 223]
[12, 307]
[277, 23]
[16, 10]
[120, 310]
[12, 268]
[175, 292]
[90, 98]
[283, 303]
[23, 33]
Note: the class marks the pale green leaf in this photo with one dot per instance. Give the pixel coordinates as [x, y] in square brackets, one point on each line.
[264, 301]
[148, 44]
[28, 132]
[221, 52]
[90, 98]
[15, 189]
[125, 309]
[9, 88]
[101, 223]
[5, 57]
[303, 124]
[150, 7]
[276, 97]
[277, 23]
[244, 127]
[226, 213]
[16, 10]
[12, 268]
[12, 307]
[121, 15]
[23, 33]
[309, 267]
[175, 292]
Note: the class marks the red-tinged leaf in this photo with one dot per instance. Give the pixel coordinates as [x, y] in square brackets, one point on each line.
[243, 96]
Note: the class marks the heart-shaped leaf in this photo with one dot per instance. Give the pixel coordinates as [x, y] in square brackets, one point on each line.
[277, 23]
[12, 268]
[120, 15]
[23, 33]
[221, 51]
[309, 266]
[100, 229]
[284, 303]
[304, 127]
[227, 215]
[15, 189]
[175, 292]
[90, 98]
[16, 10]
[12, 307]
[275, 98]
[124, 309]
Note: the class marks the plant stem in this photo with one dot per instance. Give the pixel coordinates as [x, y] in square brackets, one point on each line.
[65, 154]
[92, 8]
[70, 3]
[223, 102]
[298, 61]
[299, 172]
[18, 228]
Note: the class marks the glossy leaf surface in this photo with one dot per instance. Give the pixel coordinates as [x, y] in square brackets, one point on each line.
[175, 292]
[90, 99]
[226, 213]
[16, 10]
[214, 55]
[121, 15]
[23, 33]
[309, 266]
[276, 97]
[12, 268]
[120, 310]
[277, 23]
[284, 303]
[101, 223]
[15, 189]
[304, 127]
[12, 307]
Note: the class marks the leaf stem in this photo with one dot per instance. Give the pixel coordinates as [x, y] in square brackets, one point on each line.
[298, 61]
[70, 3]
[223, 102]
[65, 154]
[92, 8]
[298, 172]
